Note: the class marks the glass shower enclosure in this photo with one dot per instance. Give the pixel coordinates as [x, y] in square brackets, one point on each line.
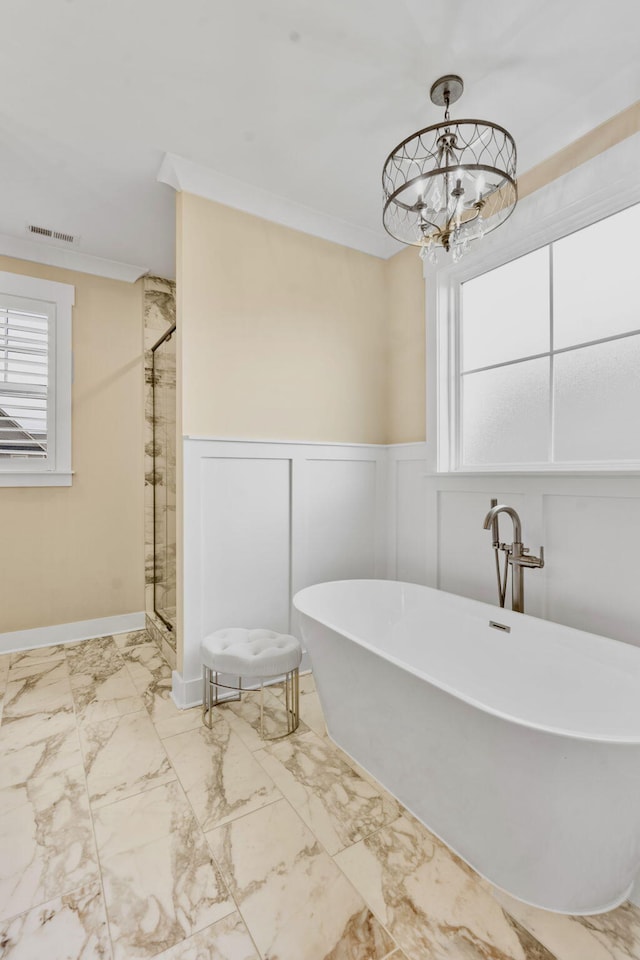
[163, 381]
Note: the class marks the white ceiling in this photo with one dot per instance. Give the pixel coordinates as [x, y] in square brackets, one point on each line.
[297, 97]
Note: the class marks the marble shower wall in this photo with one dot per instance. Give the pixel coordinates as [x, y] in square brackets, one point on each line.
[160, 478]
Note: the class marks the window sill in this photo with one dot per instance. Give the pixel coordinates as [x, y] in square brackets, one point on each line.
[53, 478]
[584, 472]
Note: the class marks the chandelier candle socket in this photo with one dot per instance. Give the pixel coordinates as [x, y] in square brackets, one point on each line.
[450, 183]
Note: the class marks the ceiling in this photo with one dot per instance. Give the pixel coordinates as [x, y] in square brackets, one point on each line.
[300, 98]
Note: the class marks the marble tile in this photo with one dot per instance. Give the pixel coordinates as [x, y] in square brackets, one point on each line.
[221, 777]
[151, 676]
[160, 882]
[608, 936]
[100, 682]
[47, 688]
[294, 900]
[123, 756]
[130, 639]
[310, 709]
[25, 660]
[227, 939]
[46, 838]
[362, 772]
[38, 745]
[339, 806]
[169, 653]
[5, 660]
[243, 716]
[178, 722]
[69, 927]
[432, 903]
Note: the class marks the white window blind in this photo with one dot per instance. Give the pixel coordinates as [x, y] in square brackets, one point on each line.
[26, 380]
[35, 381]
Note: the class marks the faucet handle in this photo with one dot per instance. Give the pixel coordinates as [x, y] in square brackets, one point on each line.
[537, 561]
[526, 560]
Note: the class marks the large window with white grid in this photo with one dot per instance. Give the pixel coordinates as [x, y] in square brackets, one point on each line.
[35, 381]
[547, 355]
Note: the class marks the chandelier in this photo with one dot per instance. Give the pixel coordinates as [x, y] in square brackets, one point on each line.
[451, 183]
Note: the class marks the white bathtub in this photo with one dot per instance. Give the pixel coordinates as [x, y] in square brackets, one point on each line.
[520, 750]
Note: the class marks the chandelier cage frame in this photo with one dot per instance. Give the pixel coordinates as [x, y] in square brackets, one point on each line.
[466, 170]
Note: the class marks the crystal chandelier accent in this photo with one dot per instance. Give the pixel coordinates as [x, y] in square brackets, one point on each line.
[450, 183]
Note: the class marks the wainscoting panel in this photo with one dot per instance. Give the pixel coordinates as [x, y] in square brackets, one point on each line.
[588, 524]
[593, 570]
[261, 521]
[245, 543]
[408, 532]
[341, 519]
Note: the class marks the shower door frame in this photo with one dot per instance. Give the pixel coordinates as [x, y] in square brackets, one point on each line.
[165, 336]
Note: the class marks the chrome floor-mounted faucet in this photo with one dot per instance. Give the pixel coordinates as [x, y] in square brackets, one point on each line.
[517, 556]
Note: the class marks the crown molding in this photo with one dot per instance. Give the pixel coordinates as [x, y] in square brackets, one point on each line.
[189, 177]
[24, 249]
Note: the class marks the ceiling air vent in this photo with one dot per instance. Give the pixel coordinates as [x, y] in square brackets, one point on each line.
[49, 234]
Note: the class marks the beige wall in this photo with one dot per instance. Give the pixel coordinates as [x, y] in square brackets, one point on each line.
[601, 138]
[283, 336]
[407, 357]
[76, 553]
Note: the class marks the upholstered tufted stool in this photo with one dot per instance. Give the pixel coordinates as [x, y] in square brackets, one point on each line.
[252, 655]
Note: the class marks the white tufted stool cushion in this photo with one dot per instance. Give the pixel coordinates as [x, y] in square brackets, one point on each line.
[251, 653]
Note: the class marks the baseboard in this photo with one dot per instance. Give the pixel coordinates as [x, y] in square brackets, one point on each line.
[185, 693]
[67, 632]
[188, 693]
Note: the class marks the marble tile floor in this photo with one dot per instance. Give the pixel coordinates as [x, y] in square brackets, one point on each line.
[130, 832]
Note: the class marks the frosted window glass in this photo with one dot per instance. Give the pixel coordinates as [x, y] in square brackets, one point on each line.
[597, 402]
[595, 280]
[505, 313]
[505, 414]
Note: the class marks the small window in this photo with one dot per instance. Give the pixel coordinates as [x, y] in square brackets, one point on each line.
[548, 368]
[35, 381]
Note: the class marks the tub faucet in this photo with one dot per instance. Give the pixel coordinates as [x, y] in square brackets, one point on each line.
[517, 555]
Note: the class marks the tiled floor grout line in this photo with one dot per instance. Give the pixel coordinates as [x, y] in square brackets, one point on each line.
[249, 813]
[42, 903]
[282, 796]
[86, 883]
[200, 827]
[217, 865]
[93, 826]
[352, 885]
[146, 709]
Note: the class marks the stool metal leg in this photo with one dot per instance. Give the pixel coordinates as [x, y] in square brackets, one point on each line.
[262, 736]
[205, 687]
[211, 699]
[211, 694]
[207, 712]
[293, 701]
[291, 705]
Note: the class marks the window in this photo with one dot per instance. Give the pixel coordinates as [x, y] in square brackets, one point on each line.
[547, 365]
[35, 381]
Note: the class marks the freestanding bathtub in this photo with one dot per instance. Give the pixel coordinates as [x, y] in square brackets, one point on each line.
[520, 749]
